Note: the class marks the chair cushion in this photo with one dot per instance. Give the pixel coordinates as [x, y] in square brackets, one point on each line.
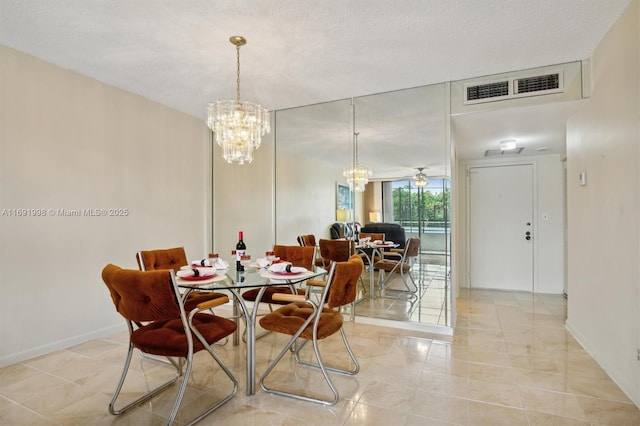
[289, 318]
[167, 338]
[267, 296]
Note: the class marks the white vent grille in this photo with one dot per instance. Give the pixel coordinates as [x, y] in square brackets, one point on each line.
[485, 91]
[512, 88]
[541, 83]
[499, 152]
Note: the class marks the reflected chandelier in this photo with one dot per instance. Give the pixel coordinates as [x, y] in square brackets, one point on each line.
[421, 178]
[238, 126]
[357, 175]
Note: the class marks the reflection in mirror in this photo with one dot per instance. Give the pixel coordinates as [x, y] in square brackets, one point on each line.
[313, 144]
[399, 132]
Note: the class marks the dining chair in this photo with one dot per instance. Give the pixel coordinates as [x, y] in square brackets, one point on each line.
[310, 240]
[338, 251]
[401, 265]
[301, 256]
[373, 236]
[159, 325]
[335, 250]
[173, 258]
[303, 318]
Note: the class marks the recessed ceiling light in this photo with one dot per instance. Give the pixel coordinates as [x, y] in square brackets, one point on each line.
[508, 145]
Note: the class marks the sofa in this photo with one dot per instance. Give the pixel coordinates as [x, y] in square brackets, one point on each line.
[392, 232]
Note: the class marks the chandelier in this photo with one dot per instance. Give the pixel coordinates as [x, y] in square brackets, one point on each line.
[421, 178]
[357, 175]
[238, 126]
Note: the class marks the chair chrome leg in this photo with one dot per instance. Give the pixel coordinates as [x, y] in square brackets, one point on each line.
[352, 372]
[146, 396]
[277, 359]
[320, 365]
[181, 390]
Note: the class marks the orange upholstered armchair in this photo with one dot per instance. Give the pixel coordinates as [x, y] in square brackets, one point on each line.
[173, 258]
[312, 321]
[298, 256]
[159, 325]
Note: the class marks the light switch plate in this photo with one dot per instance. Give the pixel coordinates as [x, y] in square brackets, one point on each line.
[583, 178]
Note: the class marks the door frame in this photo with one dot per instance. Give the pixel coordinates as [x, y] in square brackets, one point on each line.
[534, 233]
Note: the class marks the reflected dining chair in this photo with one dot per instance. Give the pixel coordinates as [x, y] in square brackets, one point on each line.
[338, 251]
[173, 258]
[401, 265]
[373, 236]
[335, 250]
[312, 321]
[310, 240]
[159, 325]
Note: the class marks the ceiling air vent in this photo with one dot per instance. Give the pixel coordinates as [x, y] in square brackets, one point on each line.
[491, 90]
[499, 152]
[541, 83]
[513, 87]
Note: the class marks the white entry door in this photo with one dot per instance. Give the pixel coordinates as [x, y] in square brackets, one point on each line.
[501, 227]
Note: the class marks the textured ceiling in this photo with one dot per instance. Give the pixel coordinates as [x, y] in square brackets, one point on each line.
[299, 52]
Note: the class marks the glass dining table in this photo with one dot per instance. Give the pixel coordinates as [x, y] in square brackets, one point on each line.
[373, 251]
[236, 282]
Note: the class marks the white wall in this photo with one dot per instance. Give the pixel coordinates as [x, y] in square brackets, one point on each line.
[604, 215]
[305, 197]
[69, 142]
[243, 201]
[548, 234]
[304, 201]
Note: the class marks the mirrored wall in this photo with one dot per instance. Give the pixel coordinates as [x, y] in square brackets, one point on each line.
[398, 133]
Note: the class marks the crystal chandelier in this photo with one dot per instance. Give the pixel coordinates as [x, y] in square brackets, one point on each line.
[238, 126]
[357, 175]
[421, 178]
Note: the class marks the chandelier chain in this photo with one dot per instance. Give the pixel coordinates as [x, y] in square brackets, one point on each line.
[238, 73]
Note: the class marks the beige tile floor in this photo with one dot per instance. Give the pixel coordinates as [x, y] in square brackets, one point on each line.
[510, 362]
[431, 304]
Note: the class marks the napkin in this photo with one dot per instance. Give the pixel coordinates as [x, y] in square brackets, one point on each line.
[286, 267]
[196, 272]
[221, 264]
[204, 262]
[263, 262]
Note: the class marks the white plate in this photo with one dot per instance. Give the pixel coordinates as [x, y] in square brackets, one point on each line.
[217, 277]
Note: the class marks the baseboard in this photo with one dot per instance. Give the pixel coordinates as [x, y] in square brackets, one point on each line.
[406, 325]
[621, 379]
[60, 344]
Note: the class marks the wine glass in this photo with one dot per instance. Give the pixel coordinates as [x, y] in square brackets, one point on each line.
[245, 260]
[270, 256]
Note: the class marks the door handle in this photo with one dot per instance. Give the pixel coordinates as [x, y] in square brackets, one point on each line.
[527, 235]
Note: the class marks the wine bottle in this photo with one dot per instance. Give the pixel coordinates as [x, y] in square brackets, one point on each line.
[241, 250]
